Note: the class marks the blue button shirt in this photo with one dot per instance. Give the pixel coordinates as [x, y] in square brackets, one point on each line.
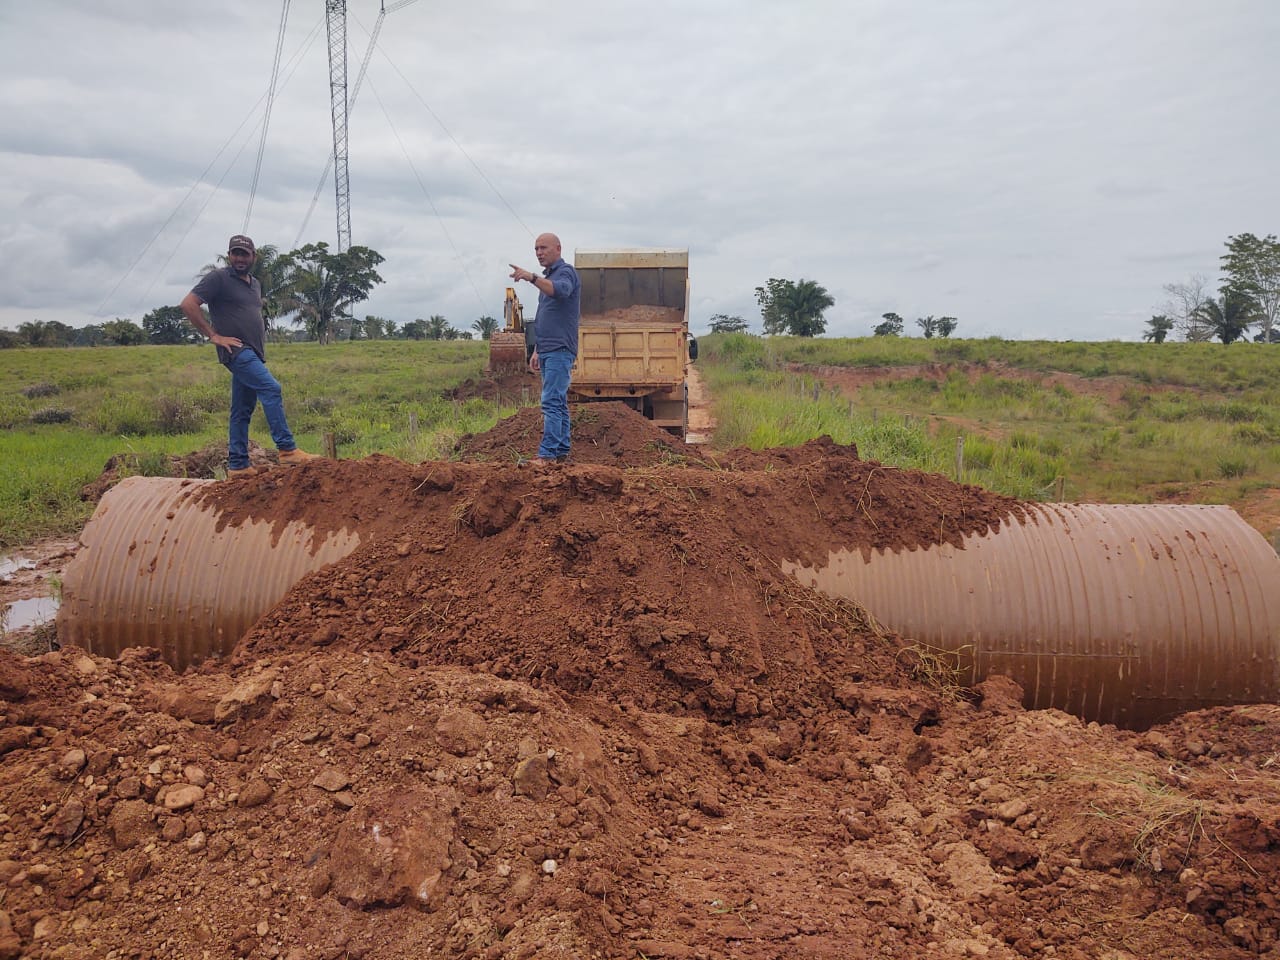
[555, 326]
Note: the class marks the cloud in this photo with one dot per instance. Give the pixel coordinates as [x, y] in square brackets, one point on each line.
[1033, 170]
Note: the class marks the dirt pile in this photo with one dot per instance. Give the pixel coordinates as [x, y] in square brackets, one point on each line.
[603, 433]
[578, 712]
[206, 464]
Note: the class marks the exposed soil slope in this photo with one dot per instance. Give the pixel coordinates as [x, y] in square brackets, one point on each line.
[578, 712]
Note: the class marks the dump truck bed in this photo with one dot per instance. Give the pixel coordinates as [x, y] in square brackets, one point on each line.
[633, 333]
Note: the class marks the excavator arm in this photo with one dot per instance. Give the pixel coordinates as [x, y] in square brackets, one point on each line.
[508, 350]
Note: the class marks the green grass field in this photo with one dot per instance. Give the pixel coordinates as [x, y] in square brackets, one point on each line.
[65, 412]
[1135, 422]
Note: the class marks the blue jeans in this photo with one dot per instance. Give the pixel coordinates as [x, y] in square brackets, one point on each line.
[555, 368]
[252, 382]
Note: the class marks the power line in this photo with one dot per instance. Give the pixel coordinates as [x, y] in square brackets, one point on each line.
[292, 67]
[457, 255]
[199, 180]
[266, 122]
[461, 150]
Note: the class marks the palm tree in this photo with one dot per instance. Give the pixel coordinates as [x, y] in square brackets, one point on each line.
[1158, 328]
[320, 287]
[805, 302]
[272, 272]
[437, 328]
[1229, 316]
[486, 327]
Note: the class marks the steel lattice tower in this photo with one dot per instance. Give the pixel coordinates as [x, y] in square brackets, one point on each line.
[337, 17]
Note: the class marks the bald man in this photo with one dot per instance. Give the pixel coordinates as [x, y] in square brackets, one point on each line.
[555, 329]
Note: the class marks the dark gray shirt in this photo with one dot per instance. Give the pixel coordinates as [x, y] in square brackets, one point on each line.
[235, 309]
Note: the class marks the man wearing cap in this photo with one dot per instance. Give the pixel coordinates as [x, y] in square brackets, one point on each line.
[236, 327]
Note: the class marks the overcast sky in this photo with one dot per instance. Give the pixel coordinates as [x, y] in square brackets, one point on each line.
[1037, 169]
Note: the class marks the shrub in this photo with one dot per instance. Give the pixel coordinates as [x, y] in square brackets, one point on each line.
[128, 415]
[153, 464]
[1234, 467]
[744, 349]
[40, 390]
[52, 415]
[175, 414]
[13, 412]
[1251, 433]
[210, 398]
[1144, 438]
[979, 453]
[1237, 412]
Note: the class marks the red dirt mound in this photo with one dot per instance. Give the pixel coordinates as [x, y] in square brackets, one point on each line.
[578, 712]
[601, 433]
[522, 387]
[203, 464]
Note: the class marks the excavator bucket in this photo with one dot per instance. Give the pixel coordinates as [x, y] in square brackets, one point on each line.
[507, 351]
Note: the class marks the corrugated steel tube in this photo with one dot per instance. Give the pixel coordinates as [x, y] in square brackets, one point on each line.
[1122, 614]
[156, 571]
[1125, 614]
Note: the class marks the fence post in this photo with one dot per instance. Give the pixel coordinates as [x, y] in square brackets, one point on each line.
[959, 458]
[331, 446]
[413, 427]
[1060, 489]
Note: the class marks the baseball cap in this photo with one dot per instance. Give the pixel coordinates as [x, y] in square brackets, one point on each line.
[240, 241]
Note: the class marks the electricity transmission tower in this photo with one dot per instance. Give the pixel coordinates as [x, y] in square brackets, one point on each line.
[337, 23]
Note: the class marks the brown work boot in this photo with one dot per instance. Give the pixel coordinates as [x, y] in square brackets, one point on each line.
[233, 472]
[296, 456]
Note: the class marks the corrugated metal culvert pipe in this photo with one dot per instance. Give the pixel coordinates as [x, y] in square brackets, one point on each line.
[1121, 614]
[156, 571]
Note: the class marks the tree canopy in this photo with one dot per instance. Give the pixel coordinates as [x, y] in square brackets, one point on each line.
[891, 327]
[723, 323]
[1229, 316]
[486, 326]
[168, 325]
[931, 326]
[1252, 268]
[794, 307]
[320, 287]
[1158, 328]
[123, 333]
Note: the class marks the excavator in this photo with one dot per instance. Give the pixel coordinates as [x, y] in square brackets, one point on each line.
[510, 347]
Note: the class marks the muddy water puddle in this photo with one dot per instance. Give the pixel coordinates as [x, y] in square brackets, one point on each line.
[11, 565]
[24, 614]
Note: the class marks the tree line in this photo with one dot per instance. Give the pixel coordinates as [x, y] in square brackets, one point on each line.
[797, 307]
[1248, 296]
[312, 288]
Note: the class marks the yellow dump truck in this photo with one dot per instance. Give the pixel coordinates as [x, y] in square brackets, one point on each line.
[633, 339]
